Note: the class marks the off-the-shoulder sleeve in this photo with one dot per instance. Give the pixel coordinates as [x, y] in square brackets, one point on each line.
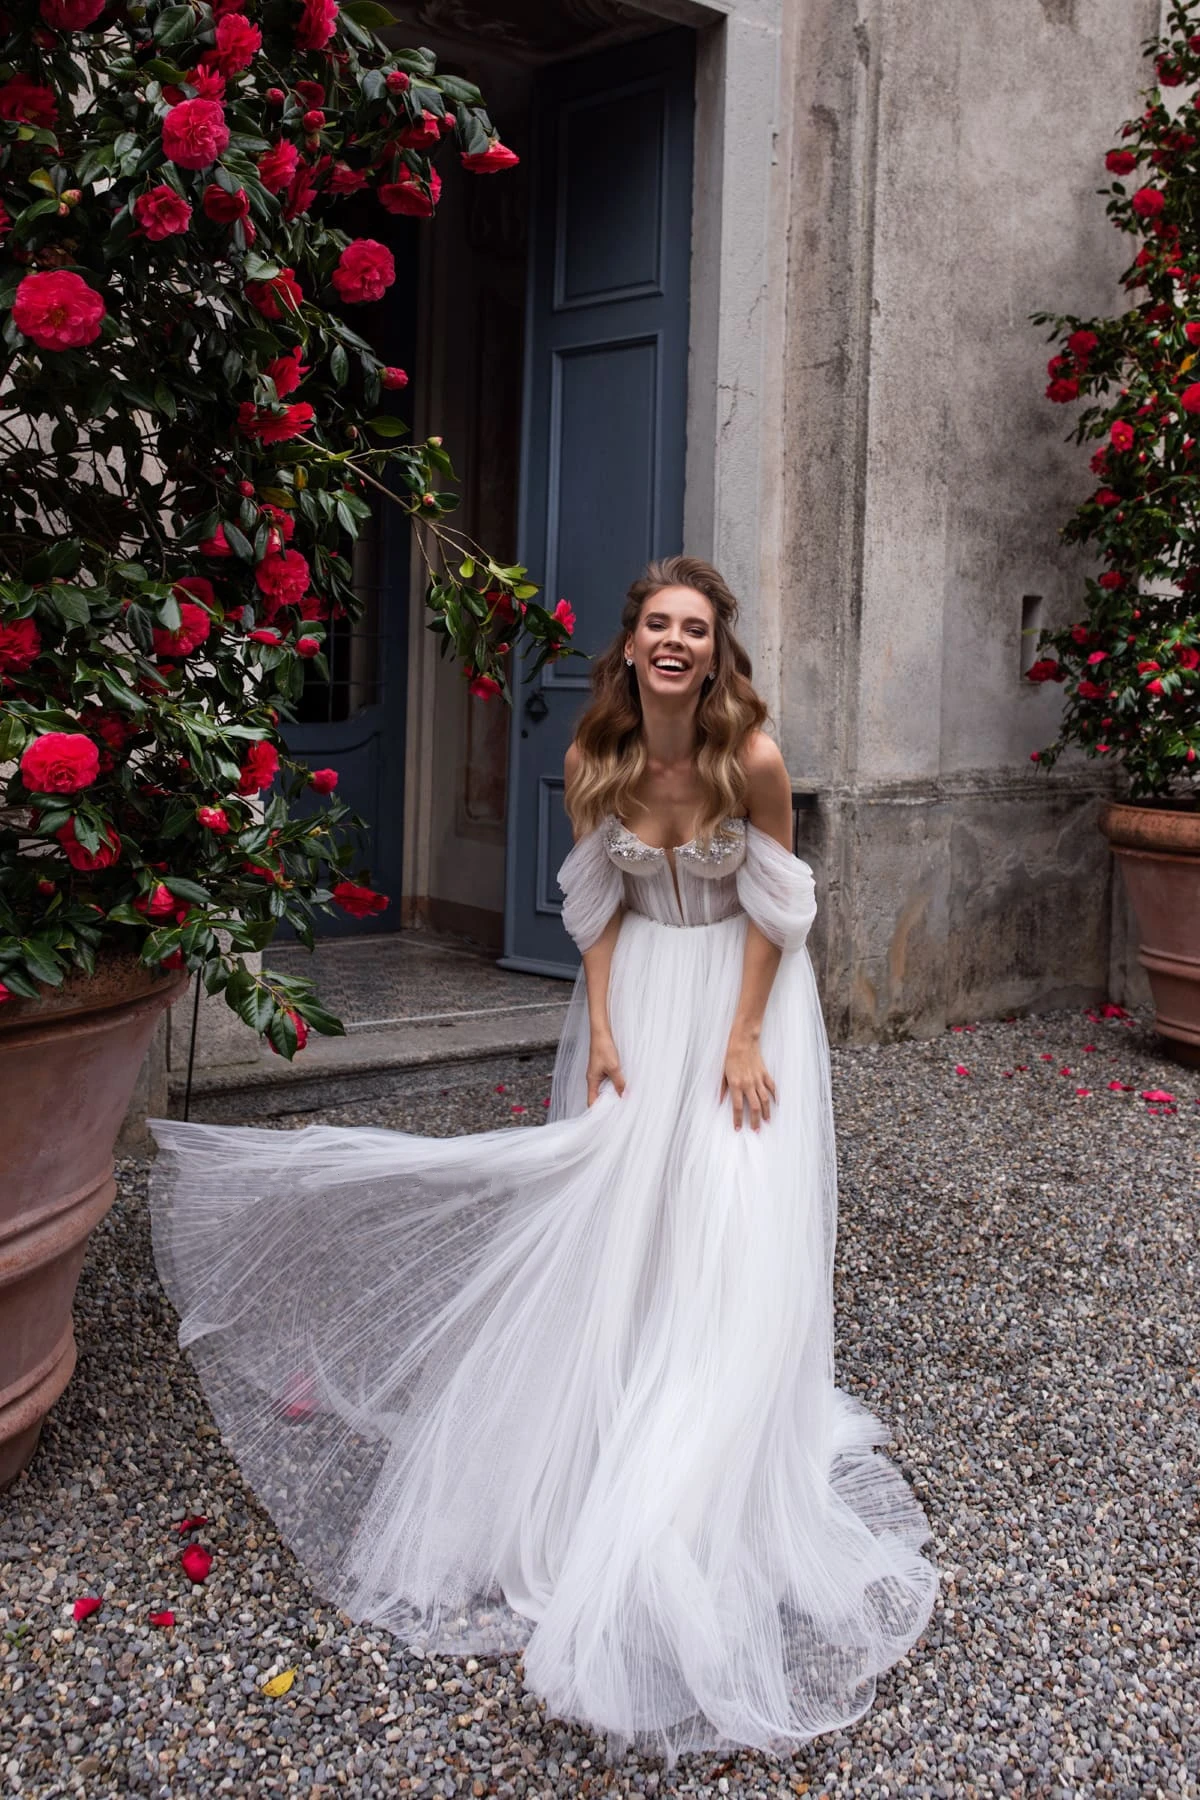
[777, 890]
[592, 885]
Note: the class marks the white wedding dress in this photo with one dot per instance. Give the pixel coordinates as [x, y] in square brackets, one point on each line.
[570, 1391]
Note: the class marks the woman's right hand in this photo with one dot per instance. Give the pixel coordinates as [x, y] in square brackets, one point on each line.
[603, 1065]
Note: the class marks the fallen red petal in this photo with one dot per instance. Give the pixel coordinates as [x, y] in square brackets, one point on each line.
[1082, 1091]
[197, 1561]
[500, 1088]
[517, 1109]
[1120, 1087]
[83, 1609]
[1046, 1056]
[1064, 1070]
[190, 1524]
[1090, 1046]
[1111, 1011]
[1160, 1095]
[299, 1396]
[961, 1069]
[162, 1618]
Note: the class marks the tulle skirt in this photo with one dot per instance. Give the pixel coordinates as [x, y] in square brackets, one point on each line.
[569, 1391]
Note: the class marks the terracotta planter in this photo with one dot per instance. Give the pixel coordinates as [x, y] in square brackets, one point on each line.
[1159, 857]
[68, 1064]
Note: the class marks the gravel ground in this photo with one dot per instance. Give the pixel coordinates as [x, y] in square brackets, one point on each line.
[1015, 1295]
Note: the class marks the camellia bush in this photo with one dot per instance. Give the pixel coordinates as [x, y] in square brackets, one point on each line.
[191, 437]
[1131, 665]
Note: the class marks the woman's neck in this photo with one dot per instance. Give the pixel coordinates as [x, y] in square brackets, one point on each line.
[668, 732]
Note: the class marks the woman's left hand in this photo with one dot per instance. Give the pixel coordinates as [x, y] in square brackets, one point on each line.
[747, 1083]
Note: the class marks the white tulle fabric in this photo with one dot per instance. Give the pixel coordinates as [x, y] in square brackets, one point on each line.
[570, 1391]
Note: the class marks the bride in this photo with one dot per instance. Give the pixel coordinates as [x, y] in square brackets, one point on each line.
[570, 1391]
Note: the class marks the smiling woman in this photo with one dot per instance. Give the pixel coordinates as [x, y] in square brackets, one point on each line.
[570, 1391]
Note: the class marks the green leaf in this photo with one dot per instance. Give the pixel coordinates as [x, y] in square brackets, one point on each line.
[174, 25]
[239, 543]
[13, 737]
[387, 427]
[71, 604]
[368, 14]
[41, 962]
[187, 890]
[339, 365]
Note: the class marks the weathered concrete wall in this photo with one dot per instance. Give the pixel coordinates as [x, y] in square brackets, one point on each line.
[943, 179]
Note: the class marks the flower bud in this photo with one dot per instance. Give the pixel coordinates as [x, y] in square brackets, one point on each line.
[397, 81]
[313, 121]
[275, 96]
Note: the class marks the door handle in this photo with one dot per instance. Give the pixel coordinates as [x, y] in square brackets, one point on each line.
[536, 707]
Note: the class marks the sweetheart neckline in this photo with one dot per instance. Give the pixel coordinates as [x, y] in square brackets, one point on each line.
[674, 849]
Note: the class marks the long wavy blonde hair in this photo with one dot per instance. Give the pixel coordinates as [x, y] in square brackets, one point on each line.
[609, 740]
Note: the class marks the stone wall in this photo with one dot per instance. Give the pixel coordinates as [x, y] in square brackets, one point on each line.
[943, 175]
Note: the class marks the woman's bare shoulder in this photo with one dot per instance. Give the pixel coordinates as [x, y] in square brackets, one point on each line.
[768, 787]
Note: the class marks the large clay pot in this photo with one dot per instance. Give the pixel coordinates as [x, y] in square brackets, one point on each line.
[68, 1065]
[1158, 853]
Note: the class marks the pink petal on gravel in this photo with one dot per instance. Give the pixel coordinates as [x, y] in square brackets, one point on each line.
[84, 1608]
[1159, 1095]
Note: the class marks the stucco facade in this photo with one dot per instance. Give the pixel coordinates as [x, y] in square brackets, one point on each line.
[883, 194]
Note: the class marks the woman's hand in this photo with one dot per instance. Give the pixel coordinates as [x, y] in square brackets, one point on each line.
[746, 1082]
[603, 1065]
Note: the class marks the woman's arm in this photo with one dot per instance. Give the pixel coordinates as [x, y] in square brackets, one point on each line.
[745, 1080]
[603, 1060]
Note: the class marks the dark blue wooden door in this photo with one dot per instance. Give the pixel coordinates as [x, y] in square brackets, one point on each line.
[604, 413]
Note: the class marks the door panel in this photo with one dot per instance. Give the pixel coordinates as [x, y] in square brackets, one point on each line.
[605, 408]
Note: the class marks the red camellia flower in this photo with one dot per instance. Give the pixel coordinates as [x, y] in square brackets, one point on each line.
[302, 191]
[267, 427]
[238, 42]
[71, 15]
[1148, 203]
[5, 993]
[208, 83]
[272, 298]
[345, 180]
[484, 687]
[159, 903]
[286, 372]
[259, 769]
[1063, 388]
[196, 1562]
[406, 195]
[102, 857]
[1082, 343]
[497, 156]
[213, 818]
[1188, 658]
[565, 615]
[1045, 669]
[1121, 435]
[20, 643]
[318, 21]
[1154, 687]
[1090, 690]
[1106, 497]
[216, 545]
[194, 626]
[28, 102]
[308, 646]
[323, 780]
[359, 902]
[393, 378]
[277, 165]
[1190, 398]
[194, 133]
[1120, 162]
[365, 271]
[1112, 579]
[162, 213]
[60, 762]
[223, 207]
[58, 310]
[283, 577]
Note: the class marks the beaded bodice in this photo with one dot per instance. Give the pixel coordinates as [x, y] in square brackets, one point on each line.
[693, 884]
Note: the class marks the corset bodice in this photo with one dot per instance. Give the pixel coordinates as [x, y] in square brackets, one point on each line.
[693, 884]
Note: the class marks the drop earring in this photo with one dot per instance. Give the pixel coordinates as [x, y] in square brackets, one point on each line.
[629, 662]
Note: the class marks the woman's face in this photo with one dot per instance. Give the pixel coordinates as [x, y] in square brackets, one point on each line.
[673, 645]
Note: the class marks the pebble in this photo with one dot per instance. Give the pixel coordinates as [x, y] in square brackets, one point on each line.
[1016, 1296]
